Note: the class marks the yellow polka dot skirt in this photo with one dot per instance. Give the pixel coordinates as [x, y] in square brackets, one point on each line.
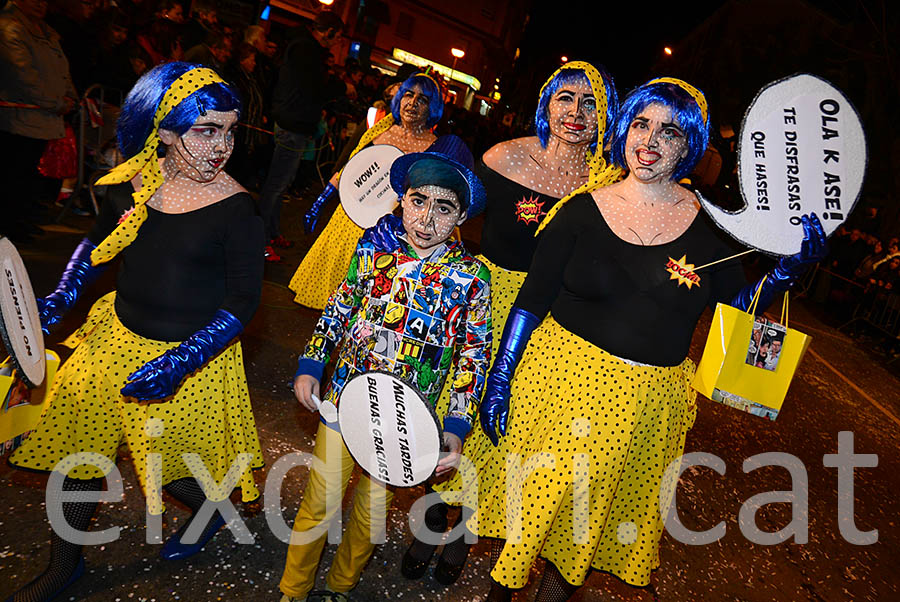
[209, 416]
[505, 285]
[325, 265]
[577, 478]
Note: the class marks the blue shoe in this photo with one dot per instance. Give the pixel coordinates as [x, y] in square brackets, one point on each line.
[173, 549]
[75, 576]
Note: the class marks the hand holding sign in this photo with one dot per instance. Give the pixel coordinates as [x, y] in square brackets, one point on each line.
[326, 409]
[802, 150]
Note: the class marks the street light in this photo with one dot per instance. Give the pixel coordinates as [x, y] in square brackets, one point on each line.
[457, 54]
[326, 2]
[564, 59]
[668, 51]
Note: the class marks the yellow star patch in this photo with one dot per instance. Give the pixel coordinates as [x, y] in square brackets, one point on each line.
[682, 271]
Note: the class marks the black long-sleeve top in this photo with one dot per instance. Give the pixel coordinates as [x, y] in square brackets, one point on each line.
[623, 297]
[182, 268]
[511, 218]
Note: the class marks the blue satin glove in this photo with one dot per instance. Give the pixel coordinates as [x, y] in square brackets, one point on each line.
[385, 235]
[79, 273]
[311, 217]
[788, 270]
[494, 409]
[158, 378]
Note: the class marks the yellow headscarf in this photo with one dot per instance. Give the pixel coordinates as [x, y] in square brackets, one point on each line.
[146, 163]
[599, 173]
[696, 94]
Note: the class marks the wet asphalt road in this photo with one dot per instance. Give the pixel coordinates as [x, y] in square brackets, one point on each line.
[840, 387]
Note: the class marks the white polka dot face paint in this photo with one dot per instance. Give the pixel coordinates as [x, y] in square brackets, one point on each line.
[200, 154]
[572, 113]
[655, 144]
[430, 213]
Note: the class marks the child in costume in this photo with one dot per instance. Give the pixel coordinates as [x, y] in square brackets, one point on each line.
[190, 279]
[599, 391]
[415, 108]
[414, 312]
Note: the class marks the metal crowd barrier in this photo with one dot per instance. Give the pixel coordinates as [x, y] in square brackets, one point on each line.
[98, 110]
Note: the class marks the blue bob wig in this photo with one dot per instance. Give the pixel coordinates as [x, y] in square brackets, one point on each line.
[685, 110]
[136, 119]
[571, 76]
[429, 89]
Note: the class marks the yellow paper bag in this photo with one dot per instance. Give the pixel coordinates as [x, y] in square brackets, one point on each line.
[741, 366]
[20, 407]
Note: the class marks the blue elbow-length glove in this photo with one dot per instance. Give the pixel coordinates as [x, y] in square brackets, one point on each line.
[311, 217]
[788, 270]
[494, 409]
[79, 273]
[158, 378]
[385, 235]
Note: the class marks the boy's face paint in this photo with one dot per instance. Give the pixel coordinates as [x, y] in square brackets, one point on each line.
[655, 144]
[200, 154]
[572, 113]
[430, 213]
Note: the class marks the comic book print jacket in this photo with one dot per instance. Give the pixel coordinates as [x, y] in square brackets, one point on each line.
[415, 319]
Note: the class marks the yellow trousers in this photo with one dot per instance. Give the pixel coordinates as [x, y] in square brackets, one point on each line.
[328, 479]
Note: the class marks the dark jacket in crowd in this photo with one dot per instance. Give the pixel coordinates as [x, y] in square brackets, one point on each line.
[300, 92]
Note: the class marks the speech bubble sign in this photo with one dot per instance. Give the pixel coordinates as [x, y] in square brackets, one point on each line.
[389, 429]
[802, 149]
[20, 323]
[365, 185]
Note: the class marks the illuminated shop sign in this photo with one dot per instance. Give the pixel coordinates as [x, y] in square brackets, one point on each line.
[454, 74]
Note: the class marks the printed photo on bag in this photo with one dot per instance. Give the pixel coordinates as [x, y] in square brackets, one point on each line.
[745, 405]
[766, 341]
[755, 339]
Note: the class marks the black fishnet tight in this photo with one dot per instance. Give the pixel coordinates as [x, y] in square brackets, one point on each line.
[456, 550]
[498, 592]
[436, 521]
[64, 556]
[188, 492]
[554, 587]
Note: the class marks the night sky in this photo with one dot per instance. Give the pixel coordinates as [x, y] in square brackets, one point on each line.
[625, 37]
[628, 37]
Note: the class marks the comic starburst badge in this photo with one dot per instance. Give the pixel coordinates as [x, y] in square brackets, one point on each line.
[530, 210]
[682, 271]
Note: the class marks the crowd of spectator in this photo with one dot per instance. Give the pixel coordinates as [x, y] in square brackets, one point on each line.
[113, 42]
[859, 282]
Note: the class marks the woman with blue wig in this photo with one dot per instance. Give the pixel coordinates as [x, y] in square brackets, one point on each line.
[157, 364]
[590, 405]
[416, 108]
[525, 178]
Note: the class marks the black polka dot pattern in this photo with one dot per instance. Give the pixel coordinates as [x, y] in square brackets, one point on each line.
[505, 285]
[582, 420]
[325, 265]
[209, 416]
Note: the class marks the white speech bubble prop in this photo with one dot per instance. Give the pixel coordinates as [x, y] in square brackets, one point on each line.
[802, 149]
[365, 185]
[389, 429]
[20, 323]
